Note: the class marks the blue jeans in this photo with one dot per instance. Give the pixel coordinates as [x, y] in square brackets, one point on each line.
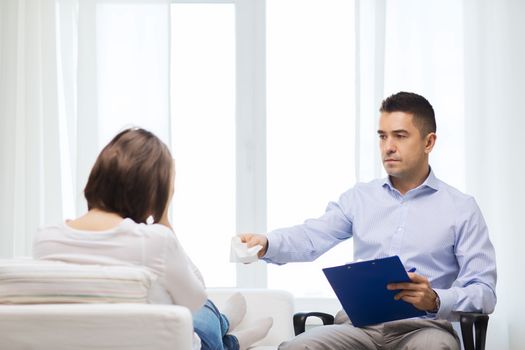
[211, 326]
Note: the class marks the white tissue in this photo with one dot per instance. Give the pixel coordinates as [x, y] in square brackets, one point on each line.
[239, 252]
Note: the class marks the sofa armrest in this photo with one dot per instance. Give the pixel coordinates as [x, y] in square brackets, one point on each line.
[299, 320]
[478, 322]
[95, 326]
[277, 304]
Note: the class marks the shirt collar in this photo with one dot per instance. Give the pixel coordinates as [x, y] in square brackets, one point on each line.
[430, 182]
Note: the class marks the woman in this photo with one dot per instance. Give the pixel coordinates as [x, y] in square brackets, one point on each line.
[131, 184]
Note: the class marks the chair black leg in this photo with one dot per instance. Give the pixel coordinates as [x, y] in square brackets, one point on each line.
[479, 322]
[481, 332]
[466, 333]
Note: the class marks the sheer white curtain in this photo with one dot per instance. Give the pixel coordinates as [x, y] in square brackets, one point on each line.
[494, 86]
[72, 74]
[30, 180]
[467, 59]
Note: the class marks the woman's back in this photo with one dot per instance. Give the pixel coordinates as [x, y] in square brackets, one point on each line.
[128, 243]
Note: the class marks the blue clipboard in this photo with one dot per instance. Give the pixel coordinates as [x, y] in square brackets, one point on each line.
[361, 289]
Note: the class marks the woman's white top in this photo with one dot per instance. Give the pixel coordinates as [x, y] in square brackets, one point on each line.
[154, 247]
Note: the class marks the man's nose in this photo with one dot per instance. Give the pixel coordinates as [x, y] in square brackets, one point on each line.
[389, 146]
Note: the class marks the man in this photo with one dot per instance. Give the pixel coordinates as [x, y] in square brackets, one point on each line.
[430, 225]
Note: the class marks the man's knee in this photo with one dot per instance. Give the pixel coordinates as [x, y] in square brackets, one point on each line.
[293, 345]
[300, 342]
[432, 339]
[334, 337]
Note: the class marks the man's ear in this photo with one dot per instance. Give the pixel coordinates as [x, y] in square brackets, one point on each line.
[430, 141]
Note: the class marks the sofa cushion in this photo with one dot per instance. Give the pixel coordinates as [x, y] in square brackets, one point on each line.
[27, 281]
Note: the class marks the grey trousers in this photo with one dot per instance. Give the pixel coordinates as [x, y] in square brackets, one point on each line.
[402, 335]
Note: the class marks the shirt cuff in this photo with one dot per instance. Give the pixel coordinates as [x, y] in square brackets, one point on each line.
[274, 241]
[447, 299]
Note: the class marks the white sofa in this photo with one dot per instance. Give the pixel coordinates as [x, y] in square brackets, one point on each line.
[130, 326]
[48, 305]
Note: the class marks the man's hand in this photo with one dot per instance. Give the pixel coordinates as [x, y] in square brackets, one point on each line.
[418, 293]
[252, 239]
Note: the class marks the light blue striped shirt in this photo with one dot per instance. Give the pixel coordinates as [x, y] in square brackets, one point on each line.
[434, 228]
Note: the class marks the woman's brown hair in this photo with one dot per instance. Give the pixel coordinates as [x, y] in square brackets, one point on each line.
[131, 176]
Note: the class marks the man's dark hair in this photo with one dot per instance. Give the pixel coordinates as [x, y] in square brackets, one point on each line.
[414, 104]
[131, 176]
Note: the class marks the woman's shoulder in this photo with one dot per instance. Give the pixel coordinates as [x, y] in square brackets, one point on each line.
[146, 228]
[46, 230]
[150, 232]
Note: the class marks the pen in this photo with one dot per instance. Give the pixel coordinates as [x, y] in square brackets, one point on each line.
[412, 270]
